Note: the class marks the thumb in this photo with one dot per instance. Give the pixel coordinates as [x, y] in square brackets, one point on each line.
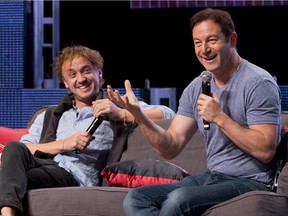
[128, 86]
[215, 97]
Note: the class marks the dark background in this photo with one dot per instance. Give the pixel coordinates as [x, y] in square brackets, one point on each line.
[156, 44]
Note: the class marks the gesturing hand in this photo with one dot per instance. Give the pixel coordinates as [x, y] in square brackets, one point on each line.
[128, 101]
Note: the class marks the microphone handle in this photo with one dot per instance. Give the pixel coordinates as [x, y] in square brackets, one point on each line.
[92, 128]
[206, 90]
[206, 125]
[94, 125]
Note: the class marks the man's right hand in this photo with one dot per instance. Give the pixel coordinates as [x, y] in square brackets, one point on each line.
[128, 101]
[78, 141]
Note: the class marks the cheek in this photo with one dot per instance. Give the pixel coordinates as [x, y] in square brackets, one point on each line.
[96, 77]
[197, 51]
[66, 83]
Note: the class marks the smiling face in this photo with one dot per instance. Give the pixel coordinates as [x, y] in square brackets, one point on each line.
[212, 48]
[82, 80]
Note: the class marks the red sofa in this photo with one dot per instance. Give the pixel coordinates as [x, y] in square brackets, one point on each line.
[10, 134]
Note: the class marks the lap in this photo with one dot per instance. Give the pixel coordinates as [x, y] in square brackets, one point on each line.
[210, 184]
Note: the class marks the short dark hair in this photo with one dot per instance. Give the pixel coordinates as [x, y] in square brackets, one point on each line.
[221, 17]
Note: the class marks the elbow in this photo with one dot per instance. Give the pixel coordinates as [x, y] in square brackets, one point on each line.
[267, 156]
[167, 155]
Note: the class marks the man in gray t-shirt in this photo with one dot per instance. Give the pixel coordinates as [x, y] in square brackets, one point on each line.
[250, 97]
[242, 110]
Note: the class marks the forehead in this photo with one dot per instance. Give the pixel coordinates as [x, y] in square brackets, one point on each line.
[75, 63]
[205, 28]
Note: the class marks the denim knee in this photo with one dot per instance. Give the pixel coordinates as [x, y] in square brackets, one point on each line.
[127, 202]
[128, 199]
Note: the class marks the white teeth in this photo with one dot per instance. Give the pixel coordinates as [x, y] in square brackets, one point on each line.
[82, 87]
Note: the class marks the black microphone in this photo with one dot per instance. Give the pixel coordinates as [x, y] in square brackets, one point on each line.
[206, 89]
[94, 125]
[92, 128]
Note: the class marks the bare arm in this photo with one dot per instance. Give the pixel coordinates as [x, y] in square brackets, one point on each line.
[260, 141]
[168, 143]
[114, 112]
[79, 140]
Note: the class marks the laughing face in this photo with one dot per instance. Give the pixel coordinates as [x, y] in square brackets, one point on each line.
[212, 48]
[82, 80]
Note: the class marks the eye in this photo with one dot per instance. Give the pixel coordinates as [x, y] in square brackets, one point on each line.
[87, 70]
[197, 43]
[212, 40]
[72, 74]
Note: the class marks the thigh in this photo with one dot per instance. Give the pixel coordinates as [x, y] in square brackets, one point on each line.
[191, 200]
[49, 174]
[155, 195]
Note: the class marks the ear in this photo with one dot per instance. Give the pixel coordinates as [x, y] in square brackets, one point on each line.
[233, 39]
[64, 82]
[100, 73]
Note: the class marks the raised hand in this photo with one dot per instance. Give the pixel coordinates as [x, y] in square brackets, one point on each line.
[128, 101]
[106, 107]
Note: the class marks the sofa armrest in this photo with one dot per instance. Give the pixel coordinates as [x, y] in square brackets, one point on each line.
[282, 187]
[11, 134]
[254, 203]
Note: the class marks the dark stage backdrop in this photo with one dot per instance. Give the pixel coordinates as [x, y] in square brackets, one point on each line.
[156, 43]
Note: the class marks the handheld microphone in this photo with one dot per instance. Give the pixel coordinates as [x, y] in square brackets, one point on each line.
[206, 89]
[94, 125]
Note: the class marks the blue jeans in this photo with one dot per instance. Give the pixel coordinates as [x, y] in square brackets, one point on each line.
[191, 196]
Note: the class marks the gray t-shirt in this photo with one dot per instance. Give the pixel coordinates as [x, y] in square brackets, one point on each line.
[250, 97]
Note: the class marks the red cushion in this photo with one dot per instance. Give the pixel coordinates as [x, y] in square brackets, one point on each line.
[136, 173]
[10, 134]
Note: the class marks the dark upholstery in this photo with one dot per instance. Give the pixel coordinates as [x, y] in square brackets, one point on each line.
[107, 201]
[283, 182]
[255, 203]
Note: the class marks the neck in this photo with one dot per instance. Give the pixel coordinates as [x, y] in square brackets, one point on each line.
[239, 63]
[222, 78]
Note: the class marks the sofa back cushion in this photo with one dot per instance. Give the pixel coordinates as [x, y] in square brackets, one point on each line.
[192, 158]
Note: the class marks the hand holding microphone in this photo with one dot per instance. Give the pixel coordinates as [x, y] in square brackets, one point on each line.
[94, 125]
[206, 89]
[92, 128]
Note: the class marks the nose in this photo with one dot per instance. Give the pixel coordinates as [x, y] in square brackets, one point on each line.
[205, 47]
[81, 77]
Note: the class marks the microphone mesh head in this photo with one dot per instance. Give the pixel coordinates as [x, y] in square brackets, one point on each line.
[206, 76]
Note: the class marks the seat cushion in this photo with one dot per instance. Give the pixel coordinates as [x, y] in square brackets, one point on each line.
[80, 201]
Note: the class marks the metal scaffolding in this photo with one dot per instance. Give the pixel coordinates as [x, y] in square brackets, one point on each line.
[46, 18]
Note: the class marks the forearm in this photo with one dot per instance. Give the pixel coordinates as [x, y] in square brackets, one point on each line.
[54, 147]
[157, 136]
[259, 141]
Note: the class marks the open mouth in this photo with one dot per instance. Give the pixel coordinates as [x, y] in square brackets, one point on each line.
[83, 87]
[209, 59]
